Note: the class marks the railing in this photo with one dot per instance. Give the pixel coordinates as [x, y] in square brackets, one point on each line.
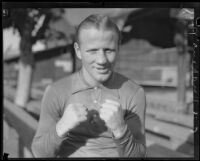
[40, 55]
[24, 124]
[46, 54]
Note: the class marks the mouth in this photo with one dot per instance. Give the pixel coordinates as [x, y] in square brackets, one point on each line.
[102, 70]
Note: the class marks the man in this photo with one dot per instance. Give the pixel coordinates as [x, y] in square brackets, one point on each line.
[95, 112]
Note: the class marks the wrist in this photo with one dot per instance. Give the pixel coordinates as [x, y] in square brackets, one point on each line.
[120, 131]
[61, 130]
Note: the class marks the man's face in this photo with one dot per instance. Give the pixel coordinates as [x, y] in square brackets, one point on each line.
[98, 50]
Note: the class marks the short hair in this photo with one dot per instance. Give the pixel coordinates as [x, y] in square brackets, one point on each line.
[99, 22]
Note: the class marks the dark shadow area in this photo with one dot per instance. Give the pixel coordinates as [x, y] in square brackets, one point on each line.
[97, 127]
[188, 146]
[76, 139]
[152, 24]
[156, 25]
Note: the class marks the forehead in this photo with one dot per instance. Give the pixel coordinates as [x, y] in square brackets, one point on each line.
[93, 34]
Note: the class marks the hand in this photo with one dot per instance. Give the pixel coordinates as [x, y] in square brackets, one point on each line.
[112, 113]
[72, 116]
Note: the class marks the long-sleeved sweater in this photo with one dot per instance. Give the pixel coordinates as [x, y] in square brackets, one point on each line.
[91, 138]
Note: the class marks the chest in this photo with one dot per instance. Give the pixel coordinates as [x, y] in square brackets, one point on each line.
[92, 98]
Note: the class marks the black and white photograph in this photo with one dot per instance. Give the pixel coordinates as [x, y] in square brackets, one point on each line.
[99, 82]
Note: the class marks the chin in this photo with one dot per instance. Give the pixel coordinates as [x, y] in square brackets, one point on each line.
[103, 77]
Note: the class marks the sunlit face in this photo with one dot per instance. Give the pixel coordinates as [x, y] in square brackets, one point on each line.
[98, 50]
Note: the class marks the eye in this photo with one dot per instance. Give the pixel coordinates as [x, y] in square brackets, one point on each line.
[109, 51]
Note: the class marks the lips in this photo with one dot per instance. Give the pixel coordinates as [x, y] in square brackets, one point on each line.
[102, 70]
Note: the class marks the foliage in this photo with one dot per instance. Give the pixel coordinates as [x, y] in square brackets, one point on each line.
[32, 21]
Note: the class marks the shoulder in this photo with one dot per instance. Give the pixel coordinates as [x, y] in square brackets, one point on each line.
[62, 85]
[128, 85]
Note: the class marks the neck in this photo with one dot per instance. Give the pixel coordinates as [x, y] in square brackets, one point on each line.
[90, 81]
[87, 78]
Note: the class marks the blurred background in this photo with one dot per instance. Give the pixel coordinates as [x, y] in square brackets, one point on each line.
[156, 52]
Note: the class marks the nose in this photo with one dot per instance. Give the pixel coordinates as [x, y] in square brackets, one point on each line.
[101, 58]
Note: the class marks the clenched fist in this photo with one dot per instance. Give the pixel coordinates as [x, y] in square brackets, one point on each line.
[72, 116]
[112, 113]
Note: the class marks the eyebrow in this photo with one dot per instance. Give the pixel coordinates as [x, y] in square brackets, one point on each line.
[92, 50]
[112, 49]
[95, 49]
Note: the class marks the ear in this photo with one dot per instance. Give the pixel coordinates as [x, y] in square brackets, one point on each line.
[77, 50]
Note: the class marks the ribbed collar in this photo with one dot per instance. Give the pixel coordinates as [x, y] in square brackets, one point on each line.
[79, 83]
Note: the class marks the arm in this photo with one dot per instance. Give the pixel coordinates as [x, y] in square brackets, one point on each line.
[46, 142]
[132, 143]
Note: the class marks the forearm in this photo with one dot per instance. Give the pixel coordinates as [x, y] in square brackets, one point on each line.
[128, 146]
[47, 144]
[133, 142]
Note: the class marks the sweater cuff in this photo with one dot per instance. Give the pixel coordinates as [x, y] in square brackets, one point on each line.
[58, 139]
[121, 140]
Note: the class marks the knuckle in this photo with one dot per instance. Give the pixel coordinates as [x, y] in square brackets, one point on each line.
[102, 116]
[118, 108]
[112, 112]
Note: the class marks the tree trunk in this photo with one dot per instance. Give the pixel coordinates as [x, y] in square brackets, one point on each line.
[26, 65]
[23, 84]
